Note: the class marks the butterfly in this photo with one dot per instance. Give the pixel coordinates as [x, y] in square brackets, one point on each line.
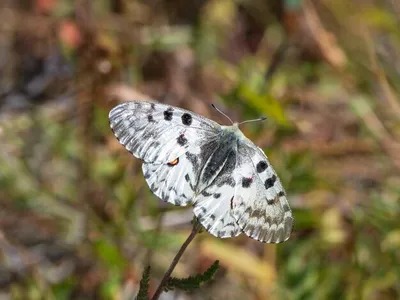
[191, 160]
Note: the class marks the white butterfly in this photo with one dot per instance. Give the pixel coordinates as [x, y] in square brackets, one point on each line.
[188, 159]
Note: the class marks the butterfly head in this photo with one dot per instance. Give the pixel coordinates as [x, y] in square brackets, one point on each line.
[233, 129]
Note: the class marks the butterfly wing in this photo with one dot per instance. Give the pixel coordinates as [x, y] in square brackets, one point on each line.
[158, 133]
[213, 205]
[247, 197]
[259, 205]
[161, 136]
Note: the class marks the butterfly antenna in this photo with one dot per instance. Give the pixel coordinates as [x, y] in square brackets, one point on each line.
[222, 113]
[254, 120]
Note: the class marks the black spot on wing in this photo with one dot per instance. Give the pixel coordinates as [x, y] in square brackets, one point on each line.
[182, 140]
[205, 194]
[150, 118]
[262, 166]
[168, 114]
[153, 106]
[270, 182]
[186, 119]
[221, 233]
[201, 215]
[246, 182]
[154, 187]
[281, 194]
[217, 195]
[187, 179]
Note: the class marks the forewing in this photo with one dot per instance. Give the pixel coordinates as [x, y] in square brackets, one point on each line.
[259, 205]
[159, 133]
[169, 140]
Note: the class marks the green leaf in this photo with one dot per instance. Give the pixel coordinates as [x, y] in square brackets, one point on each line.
[144, 285]
[110, 254]
[64, 290]
[264, 103]
[111, 286]
[192, 282]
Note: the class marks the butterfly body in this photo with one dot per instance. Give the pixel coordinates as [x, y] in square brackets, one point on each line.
[188, 159]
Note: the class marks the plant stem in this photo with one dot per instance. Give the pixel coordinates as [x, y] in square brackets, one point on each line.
[196, 228]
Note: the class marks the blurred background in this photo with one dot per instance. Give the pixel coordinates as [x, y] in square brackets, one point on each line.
[77, 220]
